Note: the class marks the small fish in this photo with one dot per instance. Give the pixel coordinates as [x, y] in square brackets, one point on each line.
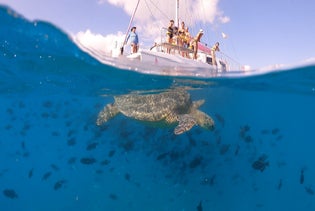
[10, 193]
[279, 138]
[302, 177]
[91, 146]
[275, 131]
[105, 162]
[212, 180]
[113, 196]
[218, 140]
[309, 190]
[70, 133]
[26, 154]
[46, 175]
[162, 156]
[88, 161]
[111, 153]
[21, 104]
[195, 162]
[127, 177]
[55, 133]
[224, 148]
[248, 139]
[99, 171]
[30, 173]
[280, 184]
[23, 145]
[199, 207]
[10, 111]
[261, 163]
[59, 184]
[244, 130]
[54, 167]
[220, 119]
[71, 142]
[47, 104]
[237, 150]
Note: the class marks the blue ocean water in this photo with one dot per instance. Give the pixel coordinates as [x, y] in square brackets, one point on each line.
[53, 156]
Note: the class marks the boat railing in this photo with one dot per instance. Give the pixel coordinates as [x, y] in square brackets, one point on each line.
[231, 64]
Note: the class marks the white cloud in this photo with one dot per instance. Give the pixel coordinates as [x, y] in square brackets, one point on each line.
[224, 19]
[97, 42]
[310, 60]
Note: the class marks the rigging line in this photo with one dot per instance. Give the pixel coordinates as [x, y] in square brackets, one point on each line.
[234, 51]
[230, 58]
[146, 4]
[164, 14]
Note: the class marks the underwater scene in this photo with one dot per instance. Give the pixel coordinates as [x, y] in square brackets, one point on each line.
[166, 144]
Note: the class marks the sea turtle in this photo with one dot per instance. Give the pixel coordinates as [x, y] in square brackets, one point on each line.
[171, 107]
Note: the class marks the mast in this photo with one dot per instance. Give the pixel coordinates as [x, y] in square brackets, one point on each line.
[176, 13]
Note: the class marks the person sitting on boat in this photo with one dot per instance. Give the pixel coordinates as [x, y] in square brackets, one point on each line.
[170, 34]
[134, 40]
[214, 48]
[195, 41]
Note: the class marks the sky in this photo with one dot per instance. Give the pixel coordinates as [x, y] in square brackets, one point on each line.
[261, 34]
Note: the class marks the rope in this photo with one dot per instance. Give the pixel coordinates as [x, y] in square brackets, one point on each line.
[163, 14]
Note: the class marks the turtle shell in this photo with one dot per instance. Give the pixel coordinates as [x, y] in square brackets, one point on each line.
[154, 107]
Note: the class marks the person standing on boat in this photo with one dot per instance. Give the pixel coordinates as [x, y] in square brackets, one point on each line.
[181, 34]
[214, 48]
[187, 38]
[134, 40]
[170, 34]
[195, 42]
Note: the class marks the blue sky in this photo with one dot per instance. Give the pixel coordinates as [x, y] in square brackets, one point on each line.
[260, 33]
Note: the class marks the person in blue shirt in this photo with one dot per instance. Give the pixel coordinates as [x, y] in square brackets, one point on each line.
[134, 40]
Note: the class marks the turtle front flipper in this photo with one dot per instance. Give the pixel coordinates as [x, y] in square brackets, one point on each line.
[108, 112]
[185, 123]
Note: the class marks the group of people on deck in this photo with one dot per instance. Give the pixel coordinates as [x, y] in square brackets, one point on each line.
[178, 37]
[181, 37]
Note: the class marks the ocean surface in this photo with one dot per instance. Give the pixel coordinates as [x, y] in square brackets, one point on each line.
[260, 156]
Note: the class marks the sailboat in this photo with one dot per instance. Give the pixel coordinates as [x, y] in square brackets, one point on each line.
[165, 58]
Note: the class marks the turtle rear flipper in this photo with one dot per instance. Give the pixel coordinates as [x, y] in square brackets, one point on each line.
[185, 123]
[107, 113]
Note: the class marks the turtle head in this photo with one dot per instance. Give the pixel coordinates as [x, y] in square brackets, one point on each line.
[203, 120]
[207, 122]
